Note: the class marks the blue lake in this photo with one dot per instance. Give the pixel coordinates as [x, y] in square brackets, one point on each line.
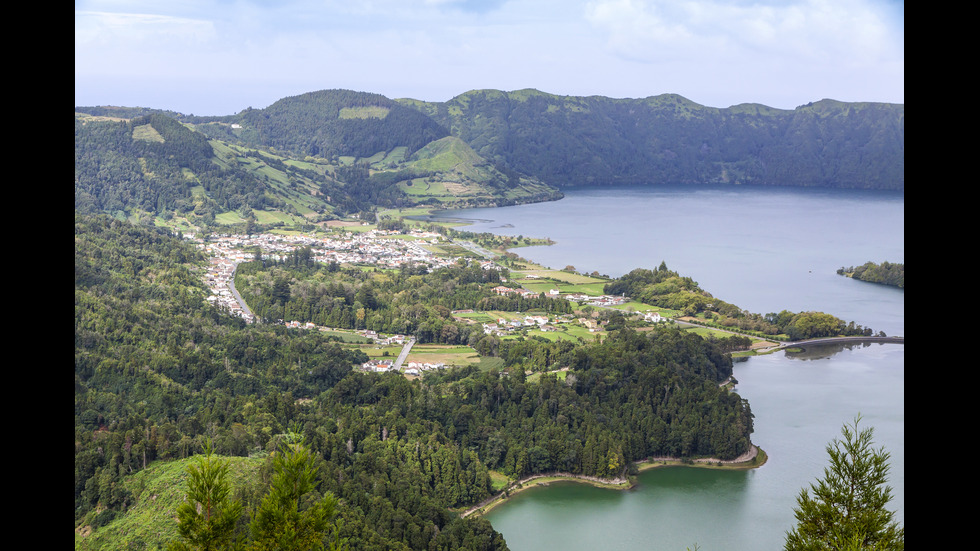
[765, 250]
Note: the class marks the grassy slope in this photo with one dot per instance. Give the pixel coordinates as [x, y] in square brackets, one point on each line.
[157, 491]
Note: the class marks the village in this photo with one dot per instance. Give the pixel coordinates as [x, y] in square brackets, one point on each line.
[378, 248]
[373, 248]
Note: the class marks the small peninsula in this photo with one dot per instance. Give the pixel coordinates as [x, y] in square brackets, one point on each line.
[886, 273]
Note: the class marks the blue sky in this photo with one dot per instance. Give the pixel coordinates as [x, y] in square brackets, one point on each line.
[217, 57]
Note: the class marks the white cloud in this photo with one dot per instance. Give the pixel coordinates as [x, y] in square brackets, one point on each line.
[833, 30]
[145, 28]
[718, 52]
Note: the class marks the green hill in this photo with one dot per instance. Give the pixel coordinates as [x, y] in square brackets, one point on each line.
[302, 161]
[334, 153]
[458, 174]
[667, 139]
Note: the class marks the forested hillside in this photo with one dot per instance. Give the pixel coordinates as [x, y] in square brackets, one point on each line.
[153, 167]
[302, 161]
[338, 123]
[158, 371]
[667, 139]
[336, 153]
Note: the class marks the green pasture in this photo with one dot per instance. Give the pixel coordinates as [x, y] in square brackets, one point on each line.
[268, 217]
[446, 354]
[566, 332]
[376, 158]
[487, 363]
[374, 351]
[420, 187]
[498, 480]
[147, 133]
[479, 317]
[228, 218]
[393, 158]
[590, 289]
[365, 112]
[560, 276]
[633, 306]
[348, 336]
[707, 331]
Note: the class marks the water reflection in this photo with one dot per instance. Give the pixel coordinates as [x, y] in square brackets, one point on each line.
[824, 351]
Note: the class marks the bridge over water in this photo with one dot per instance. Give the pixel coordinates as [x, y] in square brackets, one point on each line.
[838, 340]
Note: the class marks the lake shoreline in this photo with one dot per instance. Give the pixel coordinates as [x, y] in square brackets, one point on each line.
[752, 459]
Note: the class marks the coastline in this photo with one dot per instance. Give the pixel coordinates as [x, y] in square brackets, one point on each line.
[752, 459]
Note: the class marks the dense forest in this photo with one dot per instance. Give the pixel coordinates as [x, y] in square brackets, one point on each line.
[159, 373]
[886, 273]
[667, 139]
[410, 301]
[339, 123]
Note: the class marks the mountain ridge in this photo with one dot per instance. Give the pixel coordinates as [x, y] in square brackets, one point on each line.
[340, 152]
[595, 140]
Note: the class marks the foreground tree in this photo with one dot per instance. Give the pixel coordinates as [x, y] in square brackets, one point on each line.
[293, 515]
[846, 508]
[208, 515]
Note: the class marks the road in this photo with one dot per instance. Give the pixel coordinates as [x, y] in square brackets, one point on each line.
[404, 353]
[474, 248]
[238, 297]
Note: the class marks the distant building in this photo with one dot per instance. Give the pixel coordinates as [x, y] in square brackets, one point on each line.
[653, 317]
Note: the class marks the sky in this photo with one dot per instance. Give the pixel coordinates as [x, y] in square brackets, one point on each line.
[218, 57]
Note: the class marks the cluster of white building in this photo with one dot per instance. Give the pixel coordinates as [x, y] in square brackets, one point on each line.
[501, 290]
[504, 326]
[372, 248]
[218, 278]
[410, 368]
[601, 300]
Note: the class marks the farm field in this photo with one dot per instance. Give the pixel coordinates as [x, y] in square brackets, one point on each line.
[443, 353]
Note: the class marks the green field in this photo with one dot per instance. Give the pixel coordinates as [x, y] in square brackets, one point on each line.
[227, 218]
[590, 289]
[147, 133]
[560, 276]
[374, 351]
[567, 332]
[633, 306]
[366, 112]
[479, 317]
[422, 187]
[446, 354]
[348, 336]
[498, 480]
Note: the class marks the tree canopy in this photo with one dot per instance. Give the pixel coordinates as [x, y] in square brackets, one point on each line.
[159, 373]
[846, 509]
